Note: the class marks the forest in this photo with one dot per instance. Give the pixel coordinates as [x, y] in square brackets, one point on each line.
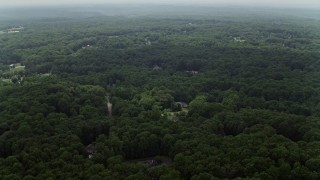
[212, 95]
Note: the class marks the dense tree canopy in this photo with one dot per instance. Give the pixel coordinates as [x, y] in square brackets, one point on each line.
[179, 97]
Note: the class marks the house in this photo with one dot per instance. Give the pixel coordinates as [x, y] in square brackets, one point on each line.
[175, 118]
[13, 32]
[12, 66]
[157, 68]
[150, 162]
[90, 149]
[183, 104]
[189, 24]
[238, 39]
[192, 72]
[87, 46]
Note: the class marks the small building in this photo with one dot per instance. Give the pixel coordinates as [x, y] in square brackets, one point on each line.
[157, 68]
[183, 104]
[87, 46]
[12, 66]
[189, 24]
[148, 43]
[11, 31]
[90, 149]
[193, 72]
[150, 162]
[175, 118]
[238, 39]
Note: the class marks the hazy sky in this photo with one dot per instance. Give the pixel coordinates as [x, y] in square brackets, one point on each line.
[252, 2]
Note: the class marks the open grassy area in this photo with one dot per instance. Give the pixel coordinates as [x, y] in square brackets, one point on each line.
[5, 80]
[46, 74]
[17, 68]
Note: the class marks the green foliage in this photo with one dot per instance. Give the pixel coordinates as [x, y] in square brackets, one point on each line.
[191, 97]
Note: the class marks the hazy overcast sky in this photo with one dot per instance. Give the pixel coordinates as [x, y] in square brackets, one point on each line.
[253, 2]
